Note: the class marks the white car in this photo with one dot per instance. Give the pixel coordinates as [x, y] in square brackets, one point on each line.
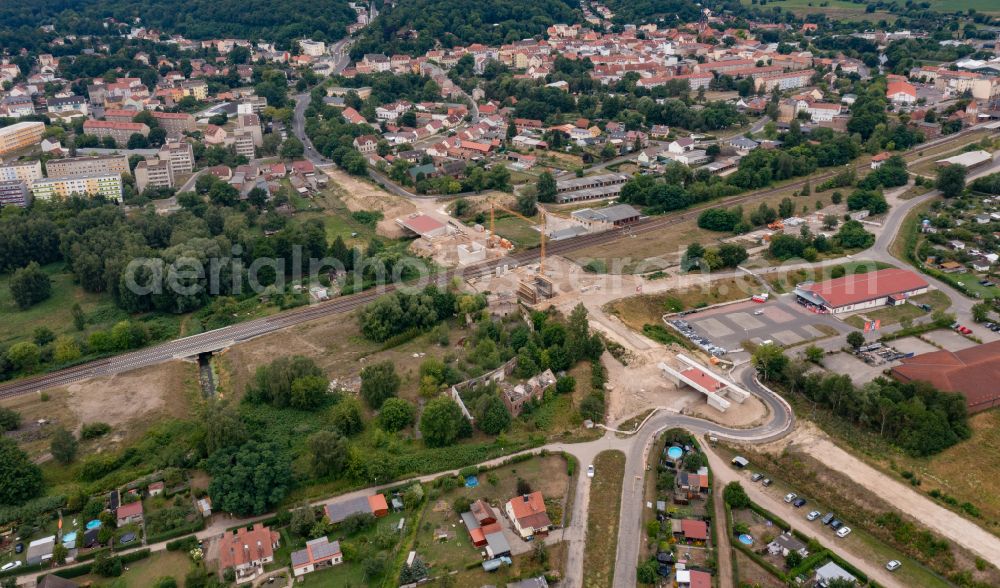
[844, 532]
[791, 496]
[813, 515]
[893, 565]
[590, 471]
[10, 566]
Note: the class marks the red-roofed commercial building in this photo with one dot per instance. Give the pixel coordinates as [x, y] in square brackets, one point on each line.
[887, 287]
[901, 92]
[528, 514]
[973, 372]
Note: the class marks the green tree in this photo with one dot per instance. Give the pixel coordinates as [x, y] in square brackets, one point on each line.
[980, 312]
[735, 496]
[379, 382]
[646, 572]
[951, 180]
[10, 419]
[65, 350]
[855, 339]
[20, 479]
[492, 416]
[63, 446]
[329, 452]
[249, 480]
[346, 417]
[396, 414]
[24, 356]
[223, 427]
[442, 422]
[770, 361]
[30, 285]
[309, 392]
[792, 560]
[814, 354]
[546, 187]
[527, 203]
[292, 148]
[79, 318]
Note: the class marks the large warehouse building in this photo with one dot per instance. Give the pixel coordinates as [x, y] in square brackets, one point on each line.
[887, 287]
[973, 372]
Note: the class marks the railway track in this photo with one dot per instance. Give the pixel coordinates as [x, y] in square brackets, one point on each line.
[194, 344]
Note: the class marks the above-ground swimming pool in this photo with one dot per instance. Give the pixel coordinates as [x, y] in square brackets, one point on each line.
[471, 482]
[746, 539]
[94, 524]
[675, 452]
[69, 537]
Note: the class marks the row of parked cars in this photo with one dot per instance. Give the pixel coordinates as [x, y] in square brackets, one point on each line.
[685, 328]
[993, 327]
[829, 519]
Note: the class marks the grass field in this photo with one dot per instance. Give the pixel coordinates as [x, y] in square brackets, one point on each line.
[972, 285]
[602, 519]
[520, 232]
[145, 572]
[54, 313]
[891, 315]
[636, 311]
[833, 9]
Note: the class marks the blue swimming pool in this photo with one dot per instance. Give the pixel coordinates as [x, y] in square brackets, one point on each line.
[746, 539]
[675, 452]
[94, 524]
[69, 537]
[471, 482]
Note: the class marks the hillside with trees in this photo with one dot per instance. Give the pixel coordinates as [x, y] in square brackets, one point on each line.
[279, 21]
[414, 26]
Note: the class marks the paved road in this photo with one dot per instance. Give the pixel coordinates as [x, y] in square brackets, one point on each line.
[630, 532]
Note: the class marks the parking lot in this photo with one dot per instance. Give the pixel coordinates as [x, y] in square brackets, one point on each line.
[779, 320]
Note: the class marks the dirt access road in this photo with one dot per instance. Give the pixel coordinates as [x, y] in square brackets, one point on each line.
[933, 516]
[724, 474]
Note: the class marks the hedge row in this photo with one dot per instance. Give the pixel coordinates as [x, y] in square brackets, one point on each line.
[92, 554]
[182, 544]
[178, 532]
[84, 569]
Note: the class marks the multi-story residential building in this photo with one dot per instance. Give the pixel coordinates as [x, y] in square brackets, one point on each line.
[68, 104]
[120, 114]
[97, 164]
[782, 81]
[196, 88]
[243, 142]
[119, 131]
[247, 551]
[107, 185]
[179, 155]
[250, 123]
[17, 106]
[175, 123]
[14, 193]
[153, 173]
[24, 171]
[20, 136]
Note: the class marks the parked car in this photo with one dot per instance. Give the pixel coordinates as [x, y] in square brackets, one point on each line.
[12, 565]
[756, 477]
[758, 312]
[844, 532]
[827, 518]
[19, 548]
[813, 515]
[791, 496]
[767, 482]
[799, 502]
[893, 565]
[836, 524]
[590, 471]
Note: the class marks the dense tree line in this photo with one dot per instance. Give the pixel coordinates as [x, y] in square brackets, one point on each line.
[403, 311]
[915, 416]
[417, 26]
[282, 21]
[294, 381]
[667, 12]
